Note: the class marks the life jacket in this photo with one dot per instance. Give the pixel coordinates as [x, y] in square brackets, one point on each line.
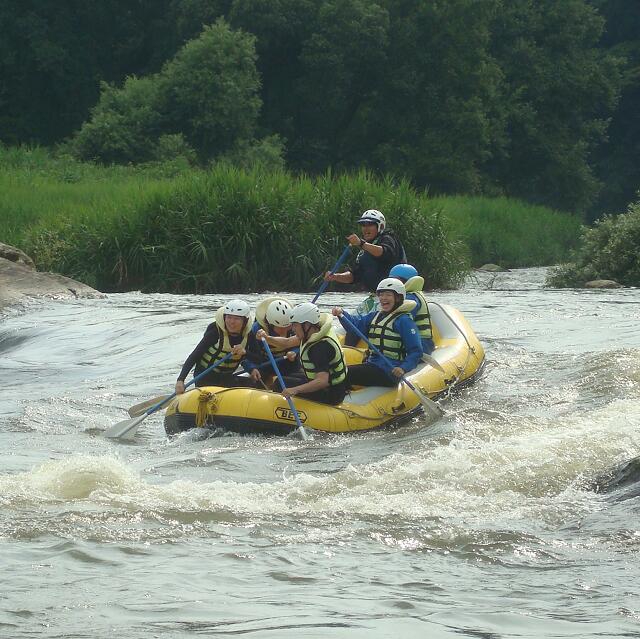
[337, 365]
[261, 320]
[223, 346]
[422, 318]
[383, 335]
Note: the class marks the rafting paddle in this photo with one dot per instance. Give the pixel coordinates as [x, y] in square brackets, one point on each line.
[430, 407]
[336, 266]
[127, 429]
[139, 409]
[301, 430]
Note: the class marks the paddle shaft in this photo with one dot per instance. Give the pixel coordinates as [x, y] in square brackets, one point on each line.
[336, 266]
[153, 409]
[303, 432]
[139, 409]
[129, 426]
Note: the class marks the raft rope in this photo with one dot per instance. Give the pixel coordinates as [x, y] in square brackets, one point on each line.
[207, 405]
[470, 349]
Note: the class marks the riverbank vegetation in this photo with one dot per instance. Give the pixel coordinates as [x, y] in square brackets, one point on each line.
[610, 250]
[171, 227]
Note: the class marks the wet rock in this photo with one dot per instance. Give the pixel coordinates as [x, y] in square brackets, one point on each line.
[19, 283]
[493, 268]
[602, 284]
[13, 254]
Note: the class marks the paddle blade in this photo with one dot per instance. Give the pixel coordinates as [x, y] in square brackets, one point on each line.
[431, 409]
[142, 407]
[126, 429]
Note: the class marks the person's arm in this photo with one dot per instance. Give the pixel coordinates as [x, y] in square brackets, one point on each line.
[281, 342]
[375, 250]
[346, 277]
[209, 338]
[253, 355]
[320, 355]
[411, 342]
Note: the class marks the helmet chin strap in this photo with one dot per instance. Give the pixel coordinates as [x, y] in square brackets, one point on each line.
[305, 331]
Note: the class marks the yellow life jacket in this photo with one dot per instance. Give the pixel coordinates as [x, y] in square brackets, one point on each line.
[337, 365]
[223, 346]
[422, 317]
[383, 336]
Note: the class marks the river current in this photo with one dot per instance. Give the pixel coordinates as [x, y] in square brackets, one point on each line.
[515, 515]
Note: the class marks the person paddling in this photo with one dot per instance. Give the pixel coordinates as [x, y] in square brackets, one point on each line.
[414, 284]
[392, 331]
[380, 250]
[227, 334]
[323, 367]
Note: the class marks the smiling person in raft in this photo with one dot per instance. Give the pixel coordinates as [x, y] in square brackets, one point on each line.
[227, 334]
[323, 367]
[392, 331]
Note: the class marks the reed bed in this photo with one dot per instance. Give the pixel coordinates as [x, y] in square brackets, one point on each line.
[177, 229]
[510, 232]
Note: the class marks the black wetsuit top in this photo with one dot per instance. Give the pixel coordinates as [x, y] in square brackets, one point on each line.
[210, 338]
[369, 271]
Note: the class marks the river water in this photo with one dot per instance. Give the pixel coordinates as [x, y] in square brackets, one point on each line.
[504, 519]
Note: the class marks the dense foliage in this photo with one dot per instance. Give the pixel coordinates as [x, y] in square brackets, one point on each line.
[465, 96]
[607, 251]
[170, 227]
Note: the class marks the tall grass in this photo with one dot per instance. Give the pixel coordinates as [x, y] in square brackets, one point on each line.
[170, 228]
[510, 232]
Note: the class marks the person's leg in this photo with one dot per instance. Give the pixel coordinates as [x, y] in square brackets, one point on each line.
[332, 395]
[368, 375]
[289, 382]
[226, 380]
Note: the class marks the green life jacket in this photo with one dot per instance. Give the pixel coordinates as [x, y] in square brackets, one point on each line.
[223, 347]
[423, 317]
[382, 334]
[337, 365]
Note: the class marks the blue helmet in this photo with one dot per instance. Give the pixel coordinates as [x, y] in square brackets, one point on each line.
[403, 271]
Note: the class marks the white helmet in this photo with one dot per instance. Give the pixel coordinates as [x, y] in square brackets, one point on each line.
[236, 307]
[278, 313]
[305, 312]
[392, 284]
[372, 216]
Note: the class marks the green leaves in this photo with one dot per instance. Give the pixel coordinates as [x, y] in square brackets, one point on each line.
[204, 99]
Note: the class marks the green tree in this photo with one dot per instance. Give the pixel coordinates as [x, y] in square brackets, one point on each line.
[207, 96]
[55, 53]
[281, 27]
[124, 125]
[209, 91]
[559, 89]
[341, 61]
[608, 250]
[434, 117]
[617, 161]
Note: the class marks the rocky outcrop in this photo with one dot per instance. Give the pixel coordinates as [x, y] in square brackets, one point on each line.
[20, 281]
[602, 284]
[492, 268]
[13, 254]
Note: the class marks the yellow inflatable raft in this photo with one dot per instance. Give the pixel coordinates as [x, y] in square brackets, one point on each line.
[247, 410]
